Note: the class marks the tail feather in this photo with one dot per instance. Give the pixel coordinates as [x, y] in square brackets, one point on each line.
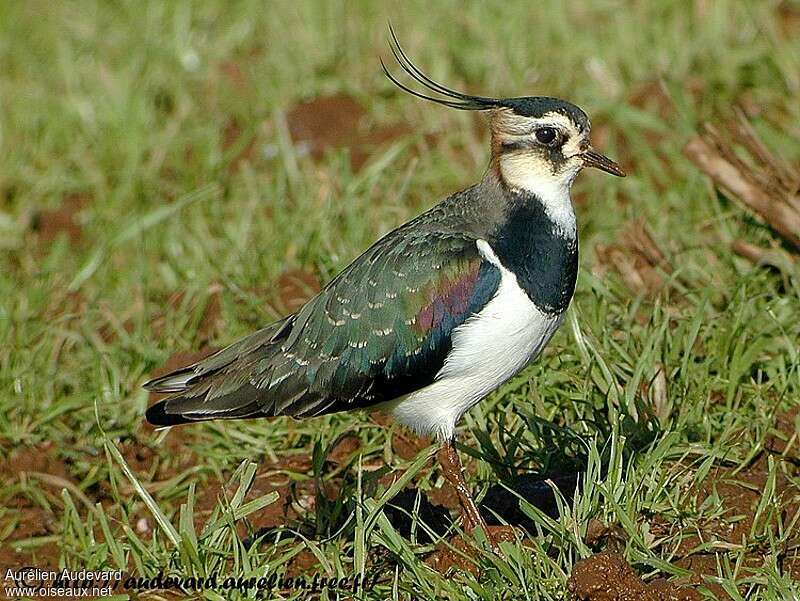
[180, 409]
[175, 381]
[198, 395]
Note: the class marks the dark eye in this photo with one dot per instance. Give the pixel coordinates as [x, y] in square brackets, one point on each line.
[546, 135]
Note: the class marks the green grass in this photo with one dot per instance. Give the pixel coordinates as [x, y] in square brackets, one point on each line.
[127, 104]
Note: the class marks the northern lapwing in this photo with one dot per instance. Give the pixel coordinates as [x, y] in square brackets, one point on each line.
[436, 314]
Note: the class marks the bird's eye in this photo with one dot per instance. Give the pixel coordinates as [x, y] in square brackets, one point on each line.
[546, 135]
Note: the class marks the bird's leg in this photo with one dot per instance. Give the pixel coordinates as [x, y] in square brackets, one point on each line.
[454, 473]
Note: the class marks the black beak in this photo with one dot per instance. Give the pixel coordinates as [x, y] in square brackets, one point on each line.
[592, 158]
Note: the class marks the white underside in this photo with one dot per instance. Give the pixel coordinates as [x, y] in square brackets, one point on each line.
[488, 349]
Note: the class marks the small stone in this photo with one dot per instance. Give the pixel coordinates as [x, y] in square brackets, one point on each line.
[142, 526]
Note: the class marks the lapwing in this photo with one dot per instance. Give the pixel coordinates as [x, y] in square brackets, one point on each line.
[436, 314]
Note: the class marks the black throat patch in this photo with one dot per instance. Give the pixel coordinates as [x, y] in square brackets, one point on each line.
[531, 246]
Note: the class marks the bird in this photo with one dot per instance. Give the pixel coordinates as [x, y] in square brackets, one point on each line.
[436, 314]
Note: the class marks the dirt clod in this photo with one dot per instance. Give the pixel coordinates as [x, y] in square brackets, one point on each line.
[337, 121]
[295, 287]
[600, 535]
[608, 577]
[444, 495]
[325, 121]
[407, 445]
[457, 553]
[22, 518]
[49, 225]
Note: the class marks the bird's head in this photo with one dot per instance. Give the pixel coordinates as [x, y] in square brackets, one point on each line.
[538, 142]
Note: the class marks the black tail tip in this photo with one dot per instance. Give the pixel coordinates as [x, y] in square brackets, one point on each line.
[157, 415]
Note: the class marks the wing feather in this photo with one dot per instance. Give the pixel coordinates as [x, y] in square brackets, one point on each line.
[380, 329]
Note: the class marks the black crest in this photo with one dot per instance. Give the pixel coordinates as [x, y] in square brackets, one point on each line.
[526, 106]
[538, 106]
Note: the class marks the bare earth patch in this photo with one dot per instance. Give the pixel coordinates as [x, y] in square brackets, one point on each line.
[51, 224]
[608, 577]
[338, 121]
[22, 518]
[457, 553]
[295, 288]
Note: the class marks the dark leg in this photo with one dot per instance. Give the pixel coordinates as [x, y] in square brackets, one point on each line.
[454, 473]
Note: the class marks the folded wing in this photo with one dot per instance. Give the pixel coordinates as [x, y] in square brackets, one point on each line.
[380, 329]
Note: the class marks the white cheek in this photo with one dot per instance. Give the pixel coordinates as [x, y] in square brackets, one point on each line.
[530, 173]
[522, 169]
[572, 146]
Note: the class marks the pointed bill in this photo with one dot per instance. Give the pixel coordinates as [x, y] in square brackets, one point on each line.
[592, 158]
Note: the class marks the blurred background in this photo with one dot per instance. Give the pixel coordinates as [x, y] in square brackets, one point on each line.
[174, 175]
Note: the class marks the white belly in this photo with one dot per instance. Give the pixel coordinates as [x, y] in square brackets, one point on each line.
[488, 349]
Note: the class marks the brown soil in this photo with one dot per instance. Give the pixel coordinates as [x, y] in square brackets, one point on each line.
[789, 14]
[41, 459]
[345, 449]
[338, 121]
[784, 438]
[27, 520]
[49, 225]
[156, 464]
[24, 518]
[234, 74]
[739, 494]
[652, 97]
[599, 534]
[444, 558]
[108, 331]
[608, 577]
[302, 563]
[295, 287]
[742, 492]
[31, 522]
[271, 476]
[324, 122]
[444, 496]
[211, 321]
[407, 445]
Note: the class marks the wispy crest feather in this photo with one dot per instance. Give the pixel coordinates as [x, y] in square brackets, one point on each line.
[453, 98]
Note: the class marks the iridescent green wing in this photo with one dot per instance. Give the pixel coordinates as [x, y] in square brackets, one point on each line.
[379, 330]
[383, 327]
